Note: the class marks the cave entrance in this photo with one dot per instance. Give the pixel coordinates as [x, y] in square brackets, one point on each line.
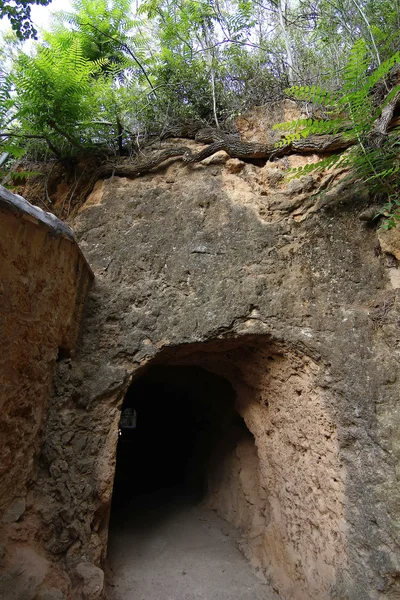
[178, 451]
[176, 423]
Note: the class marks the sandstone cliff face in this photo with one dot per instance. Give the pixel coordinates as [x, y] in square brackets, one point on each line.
[43, 284]
[285, 294]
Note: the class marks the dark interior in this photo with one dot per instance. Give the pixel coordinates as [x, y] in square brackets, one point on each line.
[185, 418]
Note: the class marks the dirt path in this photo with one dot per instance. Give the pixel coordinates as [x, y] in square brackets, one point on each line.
[178, 552]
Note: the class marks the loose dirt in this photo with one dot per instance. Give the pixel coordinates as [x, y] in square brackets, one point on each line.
[168, 548]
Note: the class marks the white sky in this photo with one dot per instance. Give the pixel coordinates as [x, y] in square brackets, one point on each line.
[41, 14]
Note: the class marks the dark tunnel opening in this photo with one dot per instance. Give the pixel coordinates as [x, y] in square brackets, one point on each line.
[185, 490]
[177, 424]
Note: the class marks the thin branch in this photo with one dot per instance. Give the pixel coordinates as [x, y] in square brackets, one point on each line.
[52, 147]
[364, 16]
[46, 182]
[64, 134]
[120, 132]
[287, 41]
[31, 136]
[74, 189]
[21, 135]
[108, 123]
[4, 158]
[214, 98]
[126, 47]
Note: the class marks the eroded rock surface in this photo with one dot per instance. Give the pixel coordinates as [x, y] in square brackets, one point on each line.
[283, 291]
[43, 284]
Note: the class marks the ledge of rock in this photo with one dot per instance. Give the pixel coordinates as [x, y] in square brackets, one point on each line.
[44, 280]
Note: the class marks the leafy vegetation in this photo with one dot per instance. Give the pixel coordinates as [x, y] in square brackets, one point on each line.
[362, 111]
[19, 15]
[110, 74]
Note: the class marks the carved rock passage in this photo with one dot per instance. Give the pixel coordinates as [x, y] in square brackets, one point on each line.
[284, 294]
[216, 266]
[187, 429]
[291, 482]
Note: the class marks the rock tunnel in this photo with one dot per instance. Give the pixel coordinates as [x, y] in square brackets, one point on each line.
[258, 354]
[184, 423]
[182, 449]
[231, 425]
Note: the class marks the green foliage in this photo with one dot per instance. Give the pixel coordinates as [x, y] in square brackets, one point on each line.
[17, 177]
[390, 211]
[6, 101]
[374, 159]
[111, 74]
[19, 15]
[57, 89]
[57, 82]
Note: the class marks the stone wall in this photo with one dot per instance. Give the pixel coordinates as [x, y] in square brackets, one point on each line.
[44, 280]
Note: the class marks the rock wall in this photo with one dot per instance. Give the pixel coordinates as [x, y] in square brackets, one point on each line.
[283, 290]
[43, 284]
[284, 488]
[226, 253]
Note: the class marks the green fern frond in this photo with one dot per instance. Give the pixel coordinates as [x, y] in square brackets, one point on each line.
[353, 113]
[337, 161]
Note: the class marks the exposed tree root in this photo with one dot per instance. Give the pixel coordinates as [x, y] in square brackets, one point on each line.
[234, 147]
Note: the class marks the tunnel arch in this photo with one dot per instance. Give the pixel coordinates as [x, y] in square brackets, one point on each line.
[289, 472]
[185, 427]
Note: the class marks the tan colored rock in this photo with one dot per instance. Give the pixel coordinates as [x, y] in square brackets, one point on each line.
[15, 511]
[95, 196]
[256, 125]
[390, 241]
[44, 279]
[234, 165]
[216, 271]
[24, 576]
[93, 580]
[276, 287]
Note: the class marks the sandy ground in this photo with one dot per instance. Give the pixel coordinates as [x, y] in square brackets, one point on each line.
[164, 549]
